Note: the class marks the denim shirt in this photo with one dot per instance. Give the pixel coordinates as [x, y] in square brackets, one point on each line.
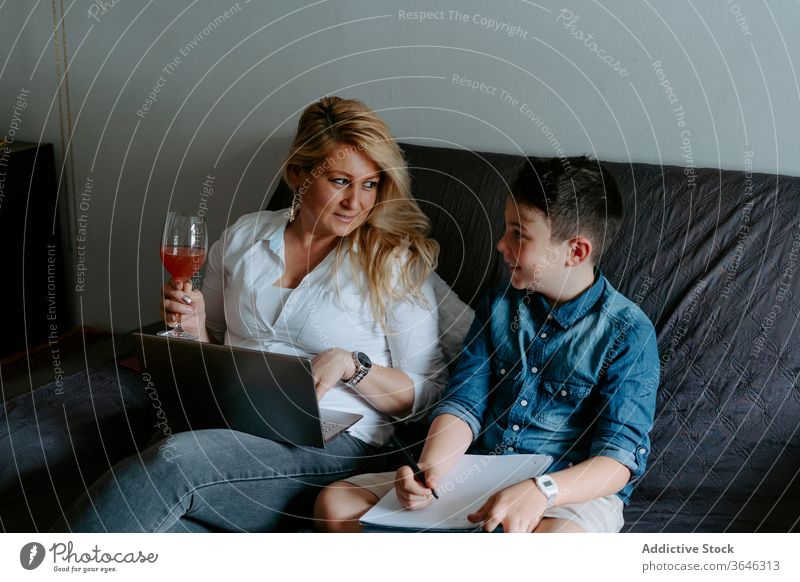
[573, 382]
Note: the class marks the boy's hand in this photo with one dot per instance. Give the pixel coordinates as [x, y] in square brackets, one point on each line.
[412, 494]
[518, 509]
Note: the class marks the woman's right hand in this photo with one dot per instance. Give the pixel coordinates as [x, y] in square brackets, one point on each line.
[182, 301]
[412, 494]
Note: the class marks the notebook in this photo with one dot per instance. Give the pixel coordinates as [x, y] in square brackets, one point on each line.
[464, 489]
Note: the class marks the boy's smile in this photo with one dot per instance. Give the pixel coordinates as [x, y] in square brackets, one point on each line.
[558, 270]
[534, 261]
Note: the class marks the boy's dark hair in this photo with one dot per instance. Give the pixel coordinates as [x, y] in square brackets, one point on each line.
[577, 194]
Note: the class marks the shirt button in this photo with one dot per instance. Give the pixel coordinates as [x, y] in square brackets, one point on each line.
[534, 369]
[543, 335]
[502, 371]
[563, 393]
[515, 428]
[549, 317]
[569, 465]
[642, 451]
[510, 449]
[523, 403]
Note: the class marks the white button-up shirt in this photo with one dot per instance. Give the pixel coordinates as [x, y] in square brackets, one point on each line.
[326, 310]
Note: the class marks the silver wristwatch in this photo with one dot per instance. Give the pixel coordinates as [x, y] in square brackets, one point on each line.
[363, 366]
[548, 487]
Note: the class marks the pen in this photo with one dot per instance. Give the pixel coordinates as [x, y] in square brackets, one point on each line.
[418, 473]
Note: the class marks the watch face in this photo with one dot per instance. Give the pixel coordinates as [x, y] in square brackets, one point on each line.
[364, 360]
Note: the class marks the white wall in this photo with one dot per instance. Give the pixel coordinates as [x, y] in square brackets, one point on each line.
[229, 108]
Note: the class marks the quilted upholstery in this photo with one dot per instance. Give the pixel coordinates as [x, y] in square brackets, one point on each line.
[708, 257]
[56, 441]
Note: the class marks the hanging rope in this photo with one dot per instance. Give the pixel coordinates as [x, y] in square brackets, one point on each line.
[65, 119]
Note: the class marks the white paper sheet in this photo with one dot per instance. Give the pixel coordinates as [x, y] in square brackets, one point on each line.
[462, 491]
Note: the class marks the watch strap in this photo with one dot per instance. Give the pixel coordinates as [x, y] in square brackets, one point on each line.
[361, 371]
[547, 485]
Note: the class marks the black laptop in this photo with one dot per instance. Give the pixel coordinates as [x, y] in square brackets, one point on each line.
[201, 385]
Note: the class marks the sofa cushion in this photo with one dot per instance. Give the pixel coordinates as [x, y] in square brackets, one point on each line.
[710, 256]
[58, 439]
[455, 319]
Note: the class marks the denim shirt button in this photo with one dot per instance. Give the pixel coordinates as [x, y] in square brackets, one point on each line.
[523, 402]
[543, 335]
[510, 449]
[642, 451]
[515, 428]
[563, 393]
[534, 369]
[502, 371]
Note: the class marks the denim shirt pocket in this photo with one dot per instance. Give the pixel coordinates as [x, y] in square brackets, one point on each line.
[562, 404]
[505, 372]
[504, 368]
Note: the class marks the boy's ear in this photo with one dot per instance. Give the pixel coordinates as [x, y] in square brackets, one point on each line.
[580, 249]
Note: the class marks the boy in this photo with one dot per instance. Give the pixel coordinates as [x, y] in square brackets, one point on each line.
[559, 364]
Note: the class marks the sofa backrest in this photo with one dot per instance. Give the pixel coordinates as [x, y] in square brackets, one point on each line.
[713, 258]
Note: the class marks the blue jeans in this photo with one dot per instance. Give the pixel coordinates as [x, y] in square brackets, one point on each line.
[217, 480]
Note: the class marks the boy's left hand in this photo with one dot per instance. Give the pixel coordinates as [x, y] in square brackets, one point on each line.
[518, 509]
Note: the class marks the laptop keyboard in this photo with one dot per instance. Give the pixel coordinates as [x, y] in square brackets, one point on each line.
[328, 428]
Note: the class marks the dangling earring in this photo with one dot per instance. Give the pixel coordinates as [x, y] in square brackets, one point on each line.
[295, 208]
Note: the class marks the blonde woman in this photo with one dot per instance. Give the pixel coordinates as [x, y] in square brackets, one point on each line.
[342, 276]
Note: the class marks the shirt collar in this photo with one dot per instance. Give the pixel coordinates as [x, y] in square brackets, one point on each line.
[268, 226]
[275, 238]
[568, 313]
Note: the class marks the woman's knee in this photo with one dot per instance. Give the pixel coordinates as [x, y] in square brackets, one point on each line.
[190, 447]
[340, 505]
[175, 459]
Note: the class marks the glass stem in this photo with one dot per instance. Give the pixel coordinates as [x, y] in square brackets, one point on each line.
[179, 316]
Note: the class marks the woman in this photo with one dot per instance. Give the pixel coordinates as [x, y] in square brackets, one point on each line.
[340, 276]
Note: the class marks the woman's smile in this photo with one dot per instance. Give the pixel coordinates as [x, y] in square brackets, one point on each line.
[345, 218]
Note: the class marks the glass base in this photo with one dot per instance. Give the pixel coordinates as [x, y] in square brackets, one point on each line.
[177, 334]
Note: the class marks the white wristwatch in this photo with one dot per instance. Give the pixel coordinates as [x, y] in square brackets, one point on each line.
[548, 487]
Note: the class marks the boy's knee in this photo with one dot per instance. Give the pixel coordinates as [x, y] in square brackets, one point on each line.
[558, 525]
[326, 517]
[339, 506]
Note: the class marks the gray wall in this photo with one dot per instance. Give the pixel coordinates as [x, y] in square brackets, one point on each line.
[228, 109]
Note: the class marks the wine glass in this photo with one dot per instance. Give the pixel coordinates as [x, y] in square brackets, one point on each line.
[183, 252]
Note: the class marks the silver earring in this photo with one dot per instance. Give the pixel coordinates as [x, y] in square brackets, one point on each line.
[295, 208]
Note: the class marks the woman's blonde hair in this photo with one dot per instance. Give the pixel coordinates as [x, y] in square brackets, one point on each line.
[395, 223]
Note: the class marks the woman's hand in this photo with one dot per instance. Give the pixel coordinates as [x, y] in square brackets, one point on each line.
[181, 301]
[412, 494]
[518, 509]
[330, 367]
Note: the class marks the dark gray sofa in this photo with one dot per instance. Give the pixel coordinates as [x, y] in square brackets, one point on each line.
[710, 255]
